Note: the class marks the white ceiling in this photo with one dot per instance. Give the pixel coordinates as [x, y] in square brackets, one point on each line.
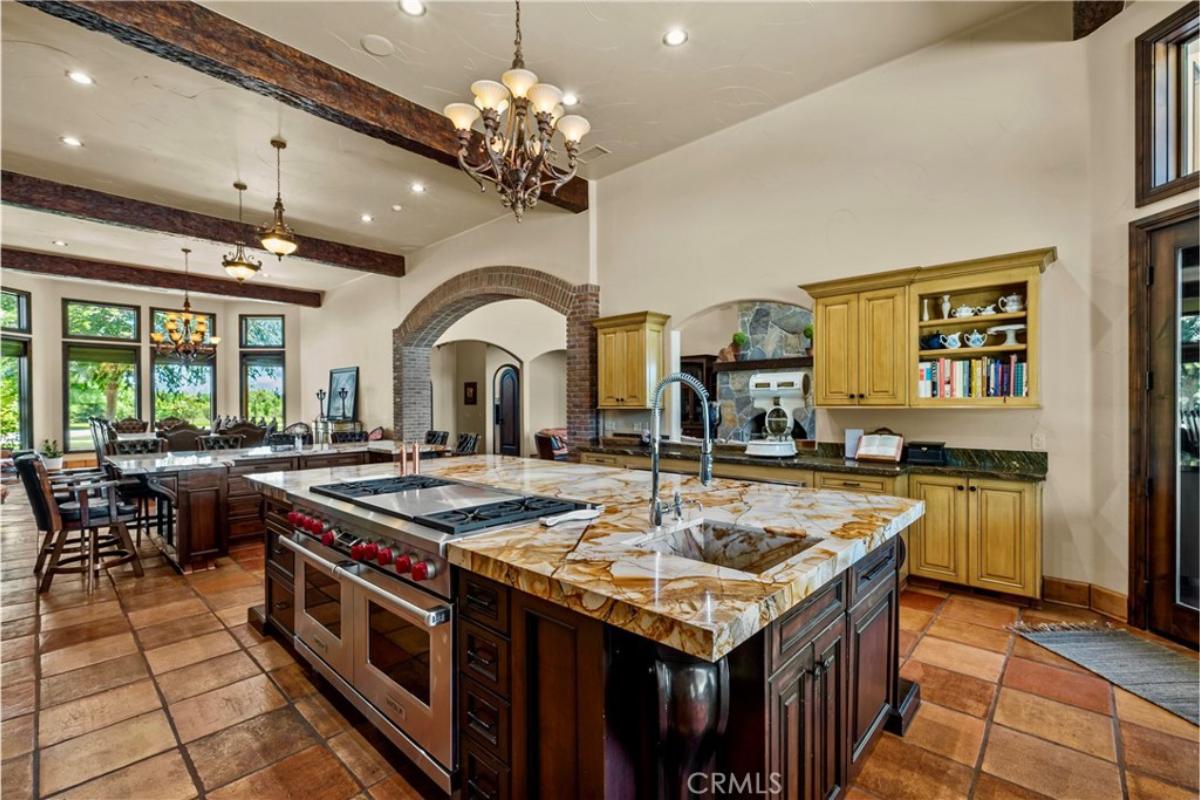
[742, 58]
[160, 132]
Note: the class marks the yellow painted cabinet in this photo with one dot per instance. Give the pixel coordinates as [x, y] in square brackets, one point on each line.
[835, 350]
[939, 539]
[980, 532]
[1004, 547]
[629, 359]
[859, 348]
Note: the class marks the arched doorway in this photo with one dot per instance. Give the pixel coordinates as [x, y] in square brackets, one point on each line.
[506, 416]
[414, 338]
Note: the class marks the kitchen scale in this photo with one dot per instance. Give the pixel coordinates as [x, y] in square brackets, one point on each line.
[778, 442]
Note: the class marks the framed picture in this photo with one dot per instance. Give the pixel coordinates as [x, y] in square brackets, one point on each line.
[470, 393]
[342, 402]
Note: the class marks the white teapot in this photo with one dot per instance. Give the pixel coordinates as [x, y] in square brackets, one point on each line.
[1010, 304]
[951, 341]
[984, 310]
[964, 311]
[975, 339]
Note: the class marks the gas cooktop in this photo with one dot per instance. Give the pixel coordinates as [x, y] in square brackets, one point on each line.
[444, 505]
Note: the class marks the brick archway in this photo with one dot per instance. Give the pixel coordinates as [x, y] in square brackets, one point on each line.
[413, 340]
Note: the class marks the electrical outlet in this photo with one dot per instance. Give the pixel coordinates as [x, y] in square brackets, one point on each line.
[1039, 440]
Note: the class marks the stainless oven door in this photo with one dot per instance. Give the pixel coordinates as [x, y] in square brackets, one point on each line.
[324, 602]
[404, 658]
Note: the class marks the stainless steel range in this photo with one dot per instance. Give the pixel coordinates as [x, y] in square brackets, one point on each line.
[374, 603]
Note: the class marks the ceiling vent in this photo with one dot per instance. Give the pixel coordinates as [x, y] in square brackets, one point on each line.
[592, 153]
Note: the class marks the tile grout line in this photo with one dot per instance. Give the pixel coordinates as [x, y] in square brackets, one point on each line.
[989, 720]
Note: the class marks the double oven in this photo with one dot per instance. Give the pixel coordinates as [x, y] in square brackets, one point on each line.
[385, 643]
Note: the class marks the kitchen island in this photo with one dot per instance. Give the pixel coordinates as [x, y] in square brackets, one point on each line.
[605, 659]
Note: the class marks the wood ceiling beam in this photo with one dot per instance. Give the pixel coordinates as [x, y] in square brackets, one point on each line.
[192, 35]
[1088, 15]
[37, 194]
[86, 269]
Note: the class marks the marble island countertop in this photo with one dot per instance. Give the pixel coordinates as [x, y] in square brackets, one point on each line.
[607, 568]
[179, 461]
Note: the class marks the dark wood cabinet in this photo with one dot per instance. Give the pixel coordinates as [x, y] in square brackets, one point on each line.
[245, 519]
[200, 514]
[690, 415]
[333, 460]
[873, 647]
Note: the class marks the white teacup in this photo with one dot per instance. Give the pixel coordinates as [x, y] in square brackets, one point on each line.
[983, 310]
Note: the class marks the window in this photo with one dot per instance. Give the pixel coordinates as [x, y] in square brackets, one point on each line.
[98, 381]
[158, 321]
[1167, 85]
[16, 417]
[184, 389]
[84, 320]
[14, 310]
[262, 385]
[261, 331]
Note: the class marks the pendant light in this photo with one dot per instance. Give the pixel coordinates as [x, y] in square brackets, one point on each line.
[277, 237]
[185, 335]
[238, 264]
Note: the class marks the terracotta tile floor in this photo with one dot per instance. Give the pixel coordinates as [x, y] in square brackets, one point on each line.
[155, 688]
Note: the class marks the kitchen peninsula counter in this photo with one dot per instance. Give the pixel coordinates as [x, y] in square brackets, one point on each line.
[598, 570]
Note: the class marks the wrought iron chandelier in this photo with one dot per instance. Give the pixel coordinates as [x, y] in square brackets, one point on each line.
[520, 118]
[277, 237]
[238, 264]
[184, 337]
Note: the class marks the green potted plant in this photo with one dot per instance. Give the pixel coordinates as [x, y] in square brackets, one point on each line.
[51, 453]
[808, 334]
[739, 342]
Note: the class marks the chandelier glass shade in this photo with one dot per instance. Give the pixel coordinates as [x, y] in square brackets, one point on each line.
[185, 335]
[516, 152]
[277, 237]
[238, 264]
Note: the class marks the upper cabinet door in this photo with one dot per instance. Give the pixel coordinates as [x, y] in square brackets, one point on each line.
[611, 368]
[835, 346]
[882, 373]
[1004, 541]
[637, 366]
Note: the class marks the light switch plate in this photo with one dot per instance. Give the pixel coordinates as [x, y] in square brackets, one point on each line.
[1039, 440]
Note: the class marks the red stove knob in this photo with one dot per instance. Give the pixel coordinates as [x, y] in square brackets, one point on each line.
[403, 563]
[293, 517]
[327, 538]
[423, 570]
[356, 552]
[370, 550]
[313, 525]
[384, 556]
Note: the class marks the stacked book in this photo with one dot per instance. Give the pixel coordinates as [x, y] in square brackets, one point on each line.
[970, 378]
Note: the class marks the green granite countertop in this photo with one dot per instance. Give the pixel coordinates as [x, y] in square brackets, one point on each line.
[1019, 465]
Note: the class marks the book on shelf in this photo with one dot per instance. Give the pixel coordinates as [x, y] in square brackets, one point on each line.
[967, 378]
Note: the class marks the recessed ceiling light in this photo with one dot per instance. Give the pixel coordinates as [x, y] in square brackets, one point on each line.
[367, 218]
[397, 207]
[418, 187]
[71, 141]
[570, 99]
[414, 8]
[59, 243]
[675, 37]
[80, 77]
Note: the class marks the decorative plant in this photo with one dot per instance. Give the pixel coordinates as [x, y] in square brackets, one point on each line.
[740, 340]
[50, 448]
[808, 332]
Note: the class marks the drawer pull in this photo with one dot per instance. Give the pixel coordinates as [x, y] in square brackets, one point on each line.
[850, 483]
[479, 791]
[477, 657]
[482, 603]
[877, 568]
[480, 724]
[281, 605]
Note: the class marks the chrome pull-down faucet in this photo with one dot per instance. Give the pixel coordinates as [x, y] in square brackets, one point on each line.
[657, 507]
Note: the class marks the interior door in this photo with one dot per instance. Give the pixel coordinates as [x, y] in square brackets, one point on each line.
[836, 342]
[1172, 450]
[508, 411]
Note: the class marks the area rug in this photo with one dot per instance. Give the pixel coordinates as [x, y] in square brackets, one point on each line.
[1166, 678]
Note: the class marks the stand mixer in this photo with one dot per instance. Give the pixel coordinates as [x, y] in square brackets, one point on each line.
[781, 395]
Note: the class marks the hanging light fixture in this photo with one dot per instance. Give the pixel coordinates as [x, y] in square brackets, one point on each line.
[238, 264]
[278, 237]
[183, 337]
[520, 118]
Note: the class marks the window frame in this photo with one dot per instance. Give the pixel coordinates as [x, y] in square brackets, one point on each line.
[212, 362]
[1158, 79]
[137, 322]
[24, 311]
[212, 316]
[243, 404]
[242, 320]
[26, 406]
[121, 344]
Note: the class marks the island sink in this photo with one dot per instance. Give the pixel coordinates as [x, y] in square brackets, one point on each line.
[726, 544]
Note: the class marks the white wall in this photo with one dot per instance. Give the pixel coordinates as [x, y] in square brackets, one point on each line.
[708, 331]
[46, 347]
[973, 147]
[545, 378]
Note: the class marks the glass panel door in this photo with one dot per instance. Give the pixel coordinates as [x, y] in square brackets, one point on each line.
[323, 599]
[399, 649]
[1187, 381]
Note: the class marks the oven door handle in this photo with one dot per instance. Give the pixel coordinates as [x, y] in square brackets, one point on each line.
[299, 549]
[430, 617]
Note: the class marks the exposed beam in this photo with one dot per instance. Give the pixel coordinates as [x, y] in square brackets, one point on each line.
[86, 269]
[192, 35]
[1088, 15]
[37, 194]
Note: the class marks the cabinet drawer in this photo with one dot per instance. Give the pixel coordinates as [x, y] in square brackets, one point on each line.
[280, 556]
[791, 633]
[867, 484]
[280, 600]
[601, 460]
[483, 601]
[484, 717]
[876, 568]
[483, 655]
[244, 528]
[246, 505]
[484, 778]
[335, 460]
